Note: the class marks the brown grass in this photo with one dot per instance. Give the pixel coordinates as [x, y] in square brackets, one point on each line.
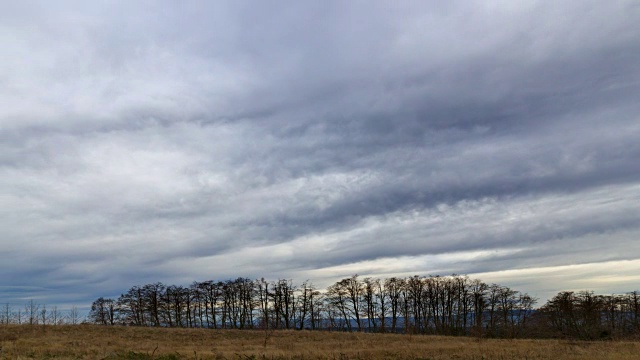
[96, 342]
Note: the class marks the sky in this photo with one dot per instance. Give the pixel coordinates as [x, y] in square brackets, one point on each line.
[177, 141]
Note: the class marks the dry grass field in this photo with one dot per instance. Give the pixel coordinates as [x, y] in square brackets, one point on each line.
[95, 342]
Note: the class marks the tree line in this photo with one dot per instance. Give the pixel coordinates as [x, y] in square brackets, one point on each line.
[445, 305]
[442, 305]
[588, 316]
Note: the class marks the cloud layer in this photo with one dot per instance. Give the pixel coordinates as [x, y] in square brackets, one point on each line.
[160, 141]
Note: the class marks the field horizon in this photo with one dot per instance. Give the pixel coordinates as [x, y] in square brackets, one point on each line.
[122, 342]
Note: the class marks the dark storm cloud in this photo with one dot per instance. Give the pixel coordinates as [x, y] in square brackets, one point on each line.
[176, 142]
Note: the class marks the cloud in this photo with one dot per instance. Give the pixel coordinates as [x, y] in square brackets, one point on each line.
[149, 142]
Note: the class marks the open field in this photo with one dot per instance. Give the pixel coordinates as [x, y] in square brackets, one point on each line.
[96, 342]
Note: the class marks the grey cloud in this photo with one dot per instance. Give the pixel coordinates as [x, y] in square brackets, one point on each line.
[138, 138]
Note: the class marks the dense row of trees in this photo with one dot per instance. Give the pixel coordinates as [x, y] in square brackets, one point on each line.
[586, 315]
[449, 305]
[445, 305]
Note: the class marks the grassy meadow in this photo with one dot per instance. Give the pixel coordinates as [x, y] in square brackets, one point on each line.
[100, 342]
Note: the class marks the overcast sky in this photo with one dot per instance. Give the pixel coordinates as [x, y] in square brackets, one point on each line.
[178, 141]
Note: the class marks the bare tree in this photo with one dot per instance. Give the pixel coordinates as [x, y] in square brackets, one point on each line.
[31, 311]
[284, 304]
[336, 298]
[355, 291]
[73, 316]
[7, 314]
[493, 302]
[370, 300]
[393, 288]
[56, 317]
[304, 304]
[43, 314]
[479, 301]
[264, 302]
[103, 311]
[381, 299]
